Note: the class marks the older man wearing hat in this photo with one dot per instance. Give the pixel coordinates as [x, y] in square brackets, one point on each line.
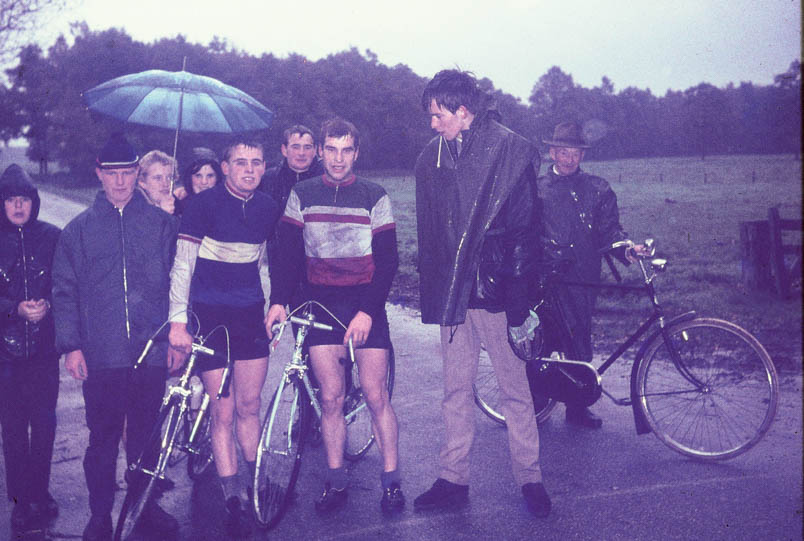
[110, 293]
[580, 218]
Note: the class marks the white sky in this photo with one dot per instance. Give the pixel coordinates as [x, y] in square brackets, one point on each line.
[656, 44]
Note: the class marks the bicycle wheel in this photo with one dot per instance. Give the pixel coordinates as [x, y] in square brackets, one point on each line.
[151, 465]
[487, 394]
[718, 399]
[359, 428]
[180, 444]
[199, 451]
[279, 452]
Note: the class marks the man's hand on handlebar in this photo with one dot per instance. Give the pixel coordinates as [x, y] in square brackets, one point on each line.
[633, 252]
[637, 251]
[181, 342]
[276, 314]
[358, 329]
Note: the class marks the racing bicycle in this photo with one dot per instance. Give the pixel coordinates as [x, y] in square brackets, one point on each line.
[294, 413]
[180, 429]
[706, 387]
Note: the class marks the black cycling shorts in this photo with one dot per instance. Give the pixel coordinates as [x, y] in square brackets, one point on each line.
[247, 336]
[343, 302]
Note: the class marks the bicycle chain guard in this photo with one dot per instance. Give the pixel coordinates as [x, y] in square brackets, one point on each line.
[565, 381]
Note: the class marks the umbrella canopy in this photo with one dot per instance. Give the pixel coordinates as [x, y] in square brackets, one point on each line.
[178, 100]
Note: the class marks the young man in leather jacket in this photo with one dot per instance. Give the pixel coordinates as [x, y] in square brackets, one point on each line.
[476, 227]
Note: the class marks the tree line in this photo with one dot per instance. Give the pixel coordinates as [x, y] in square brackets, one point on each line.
[41, 101]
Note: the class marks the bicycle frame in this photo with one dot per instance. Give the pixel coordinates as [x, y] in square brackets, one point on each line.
[648, 275]
[299, 367]
[182, 390]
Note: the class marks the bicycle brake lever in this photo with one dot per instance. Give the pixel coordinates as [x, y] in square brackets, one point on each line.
[277, 334]
[223, 391]
[144, 353]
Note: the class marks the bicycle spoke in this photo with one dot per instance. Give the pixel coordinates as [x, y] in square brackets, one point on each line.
[736, 391]
[279, 453]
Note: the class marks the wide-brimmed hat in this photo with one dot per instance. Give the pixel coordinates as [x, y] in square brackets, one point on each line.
[567, 134]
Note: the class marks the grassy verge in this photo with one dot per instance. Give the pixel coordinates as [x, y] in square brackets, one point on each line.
[696, 227]
[693, 209]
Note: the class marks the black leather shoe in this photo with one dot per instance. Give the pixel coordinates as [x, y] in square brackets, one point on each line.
[442, 495]
[331, 500]
[536, 499]
[163, 485]
[45, 509]
[393, 500]
[156, 520]
[20, 515]
[41, 512]
[583, 417]
[99, 528]
[237, 521]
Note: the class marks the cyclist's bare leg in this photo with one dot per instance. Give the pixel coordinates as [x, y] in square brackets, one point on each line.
[372, 366]
[222, 414]
[329, 372]
[248, 380]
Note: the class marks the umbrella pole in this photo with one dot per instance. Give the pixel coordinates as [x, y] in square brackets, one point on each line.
[175, 147]
[178, 127]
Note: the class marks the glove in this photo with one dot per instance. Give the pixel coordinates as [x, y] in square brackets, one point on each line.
[526, 339]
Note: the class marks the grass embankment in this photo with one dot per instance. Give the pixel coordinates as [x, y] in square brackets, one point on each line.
[693, 209]
[696, 224]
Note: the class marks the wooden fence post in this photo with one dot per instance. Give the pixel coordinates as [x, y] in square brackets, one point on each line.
[755, 255]
[782, 275]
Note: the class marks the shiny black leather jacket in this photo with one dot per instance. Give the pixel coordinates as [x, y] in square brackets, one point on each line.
[475, 222]
[508, 253]
[26, 259]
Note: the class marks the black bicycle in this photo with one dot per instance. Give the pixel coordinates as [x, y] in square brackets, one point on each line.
[704, 386]
[293, 414]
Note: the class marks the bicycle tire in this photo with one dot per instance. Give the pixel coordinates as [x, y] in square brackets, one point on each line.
[359, 428]
[279, 452]
[140, 485]
[179, 452]
[733, 406]
[199, 451]
[487, 394]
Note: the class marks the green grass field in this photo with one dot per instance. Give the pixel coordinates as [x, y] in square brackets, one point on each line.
[696, 227]
[695, 222]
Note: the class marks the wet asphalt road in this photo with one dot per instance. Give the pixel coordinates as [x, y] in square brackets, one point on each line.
[606, 484]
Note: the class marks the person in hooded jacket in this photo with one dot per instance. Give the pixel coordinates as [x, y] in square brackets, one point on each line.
[29, 364]
[477, 234]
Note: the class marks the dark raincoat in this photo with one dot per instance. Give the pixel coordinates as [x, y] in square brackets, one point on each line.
[457, 199]
[580, 217]
[111, 279]
[26, 258]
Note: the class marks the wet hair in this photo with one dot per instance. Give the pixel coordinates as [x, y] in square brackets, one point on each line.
[153, 157]
[201, 157]
[451, 89]
[297, 129]
[337, 128]
[246, 142]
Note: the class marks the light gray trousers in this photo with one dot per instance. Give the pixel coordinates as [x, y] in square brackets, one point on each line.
[460, 356]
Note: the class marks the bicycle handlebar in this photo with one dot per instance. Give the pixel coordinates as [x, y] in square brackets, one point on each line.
[278, 328]
[629, 245]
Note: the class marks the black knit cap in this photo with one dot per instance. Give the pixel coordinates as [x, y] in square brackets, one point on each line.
[117, 153]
